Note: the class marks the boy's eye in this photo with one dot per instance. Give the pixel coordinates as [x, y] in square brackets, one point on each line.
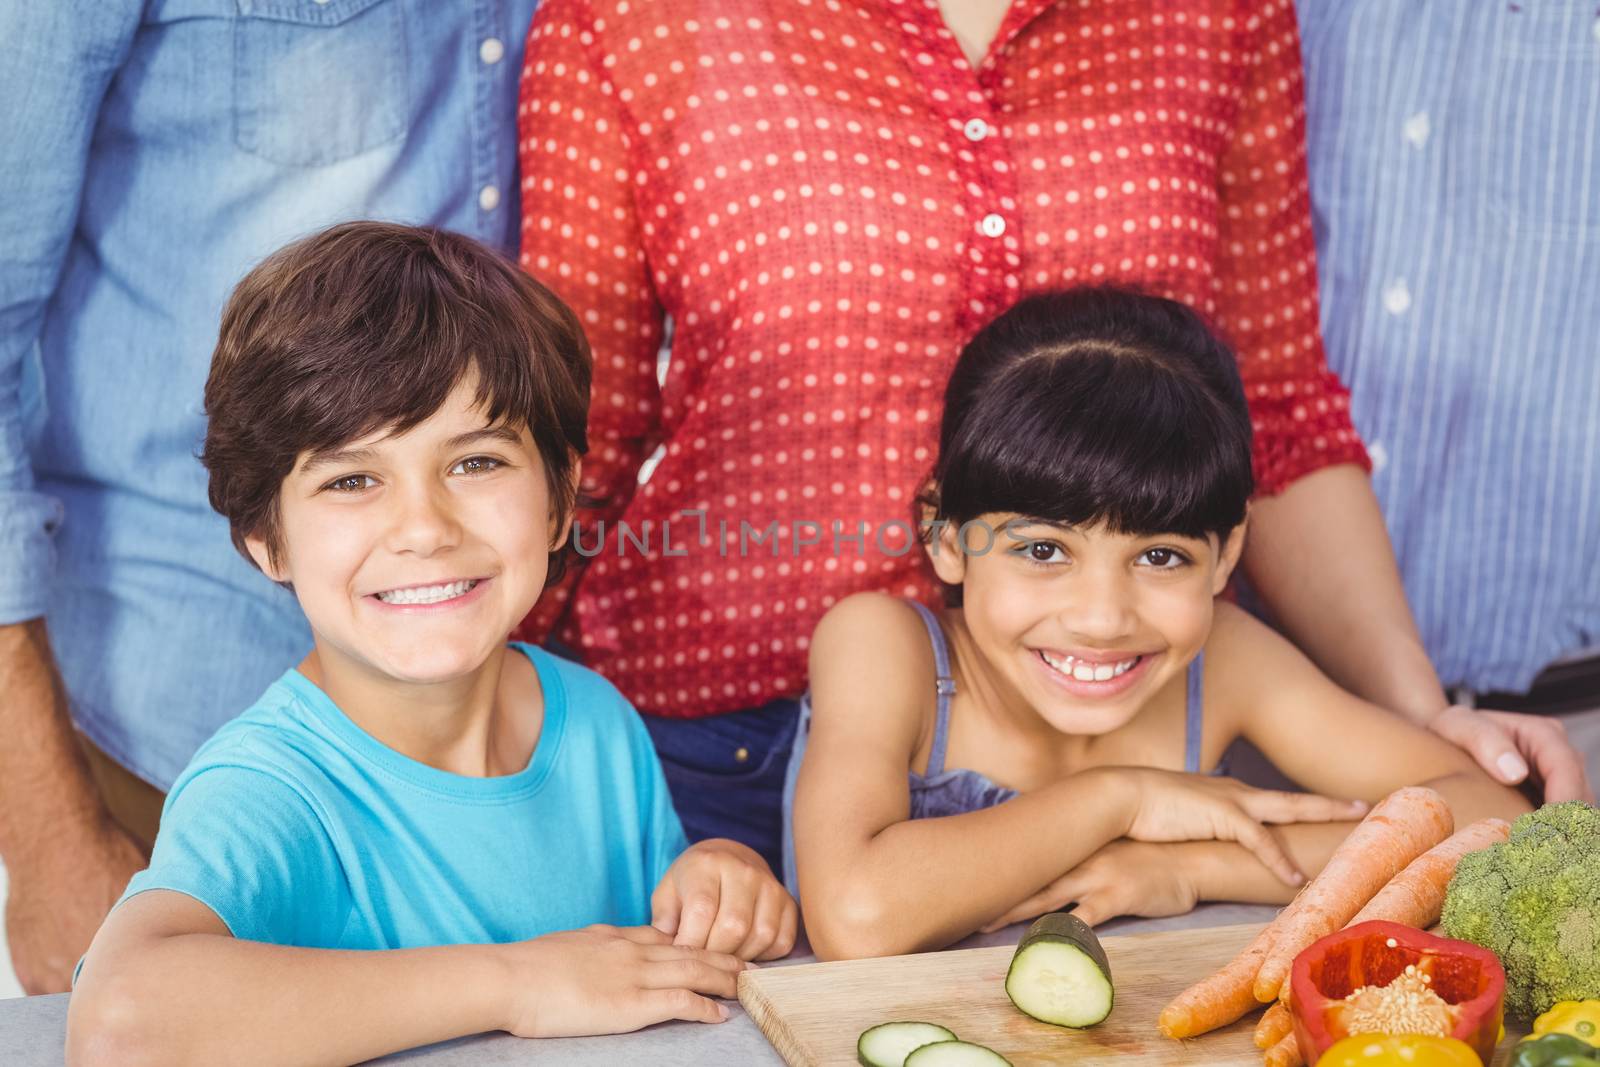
[351, 483]
[1163, 558]
[476, 465]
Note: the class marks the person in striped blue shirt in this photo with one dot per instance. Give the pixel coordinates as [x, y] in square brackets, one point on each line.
[1455, 181]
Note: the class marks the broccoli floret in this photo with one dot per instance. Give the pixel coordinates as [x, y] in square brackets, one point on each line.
[1534, 901]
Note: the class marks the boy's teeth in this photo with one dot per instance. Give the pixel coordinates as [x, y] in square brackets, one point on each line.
[1089, 672]
[427, 594]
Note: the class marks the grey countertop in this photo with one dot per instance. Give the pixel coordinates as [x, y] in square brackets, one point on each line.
[33, 1029]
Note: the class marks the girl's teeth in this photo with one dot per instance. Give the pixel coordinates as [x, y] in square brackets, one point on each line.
[427, 594]
[1090, 672]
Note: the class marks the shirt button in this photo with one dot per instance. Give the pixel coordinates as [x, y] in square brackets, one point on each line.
[741, 755]
[491, 51]
[488, 196]
[1595, 29]
[1379, 456]
[992, 225]
[976, 129]
[1417, 128]
[1397, 297]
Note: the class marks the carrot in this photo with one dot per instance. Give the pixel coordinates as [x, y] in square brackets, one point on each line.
[1285, 1053]
[1273, 1026]
[1221, 998]
[1400, 828]
[1416, 896]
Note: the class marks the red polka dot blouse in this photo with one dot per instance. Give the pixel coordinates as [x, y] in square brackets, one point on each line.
[827, 200]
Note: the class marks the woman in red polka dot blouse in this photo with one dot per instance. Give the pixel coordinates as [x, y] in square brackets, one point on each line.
[826, 198]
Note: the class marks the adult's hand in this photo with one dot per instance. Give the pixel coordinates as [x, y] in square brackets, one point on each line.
[65, 859]
[1506, 743]
[58, 898]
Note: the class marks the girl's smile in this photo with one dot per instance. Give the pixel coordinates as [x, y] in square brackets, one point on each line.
[1095, 676]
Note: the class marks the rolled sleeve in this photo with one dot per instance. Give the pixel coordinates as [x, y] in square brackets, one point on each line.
[60, 57]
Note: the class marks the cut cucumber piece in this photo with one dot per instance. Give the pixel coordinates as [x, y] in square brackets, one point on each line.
[956, 1054]
[1059, 974]
[888, 1045]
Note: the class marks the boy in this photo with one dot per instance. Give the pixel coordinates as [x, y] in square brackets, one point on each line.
[397, 418]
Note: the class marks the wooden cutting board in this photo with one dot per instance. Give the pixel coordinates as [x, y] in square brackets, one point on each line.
[813, 1013]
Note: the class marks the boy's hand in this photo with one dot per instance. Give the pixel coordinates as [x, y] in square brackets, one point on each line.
[720, 895]
[610, 980]
[1170, 806]
[1123, 878]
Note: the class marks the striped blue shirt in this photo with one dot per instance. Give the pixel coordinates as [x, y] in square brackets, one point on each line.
[1454, 152]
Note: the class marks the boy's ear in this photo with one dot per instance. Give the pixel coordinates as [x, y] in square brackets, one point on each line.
[1228, 559]
[558, 537]
[263, 558]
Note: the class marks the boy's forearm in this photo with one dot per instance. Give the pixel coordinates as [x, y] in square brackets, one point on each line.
[925, 883]
[208, 998]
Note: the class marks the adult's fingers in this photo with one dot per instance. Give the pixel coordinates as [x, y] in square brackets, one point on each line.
[1543, 740]
[1486, 740]
[1275, 806]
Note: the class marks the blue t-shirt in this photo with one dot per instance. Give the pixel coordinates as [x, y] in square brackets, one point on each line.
[299, 828]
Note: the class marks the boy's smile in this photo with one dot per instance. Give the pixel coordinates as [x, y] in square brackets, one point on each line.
[415, 554]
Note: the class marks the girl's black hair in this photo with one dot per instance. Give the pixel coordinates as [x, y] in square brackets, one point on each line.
[1096, 405]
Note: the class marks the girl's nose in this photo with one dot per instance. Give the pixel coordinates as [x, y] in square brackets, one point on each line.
[1100, 608]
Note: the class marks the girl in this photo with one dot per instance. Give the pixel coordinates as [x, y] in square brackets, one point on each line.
[1045, 740]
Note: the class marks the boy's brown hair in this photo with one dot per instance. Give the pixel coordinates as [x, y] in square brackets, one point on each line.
[369, 326]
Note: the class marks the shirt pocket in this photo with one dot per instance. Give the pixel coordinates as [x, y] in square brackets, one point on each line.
[318, 82]
[1538, 126]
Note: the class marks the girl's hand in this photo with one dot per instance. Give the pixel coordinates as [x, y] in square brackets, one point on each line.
[610, 980]
[720, 895]
[1173, 806]
[1123, 878]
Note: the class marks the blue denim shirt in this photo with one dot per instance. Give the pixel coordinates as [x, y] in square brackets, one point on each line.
[153, 152]
[1455, 185]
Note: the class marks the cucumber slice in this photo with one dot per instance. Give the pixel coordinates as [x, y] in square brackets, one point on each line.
[956, 1054]
[1059, 974]
[888, 1044]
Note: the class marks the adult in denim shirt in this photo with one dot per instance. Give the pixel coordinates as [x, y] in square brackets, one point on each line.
[153, 152]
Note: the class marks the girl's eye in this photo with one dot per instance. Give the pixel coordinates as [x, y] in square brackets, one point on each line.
[1164, 558]
[476, 465]
[1043, 551]
[351, 483]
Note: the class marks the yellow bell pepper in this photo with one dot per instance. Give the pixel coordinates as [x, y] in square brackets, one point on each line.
[1399, 1050]
[1580, 1018]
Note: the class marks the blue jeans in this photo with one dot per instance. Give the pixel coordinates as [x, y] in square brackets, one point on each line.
[726, 773]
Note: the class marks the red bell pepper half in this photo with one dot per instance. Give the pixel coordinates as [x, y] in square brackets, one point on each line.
[1467, 977]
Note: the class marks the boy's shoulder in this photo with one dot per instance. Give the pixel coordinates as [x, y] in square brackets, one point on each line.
[275, 736]
[590, 705]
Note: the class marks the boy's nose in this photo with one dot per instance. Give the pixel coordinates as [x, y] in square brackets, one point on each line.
[424, 523]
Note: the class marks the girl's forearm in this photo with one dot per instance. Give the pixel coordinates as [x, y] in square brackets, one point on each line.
[206, 998]
[925, 883]
[1225, 871]
[1347, 608]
